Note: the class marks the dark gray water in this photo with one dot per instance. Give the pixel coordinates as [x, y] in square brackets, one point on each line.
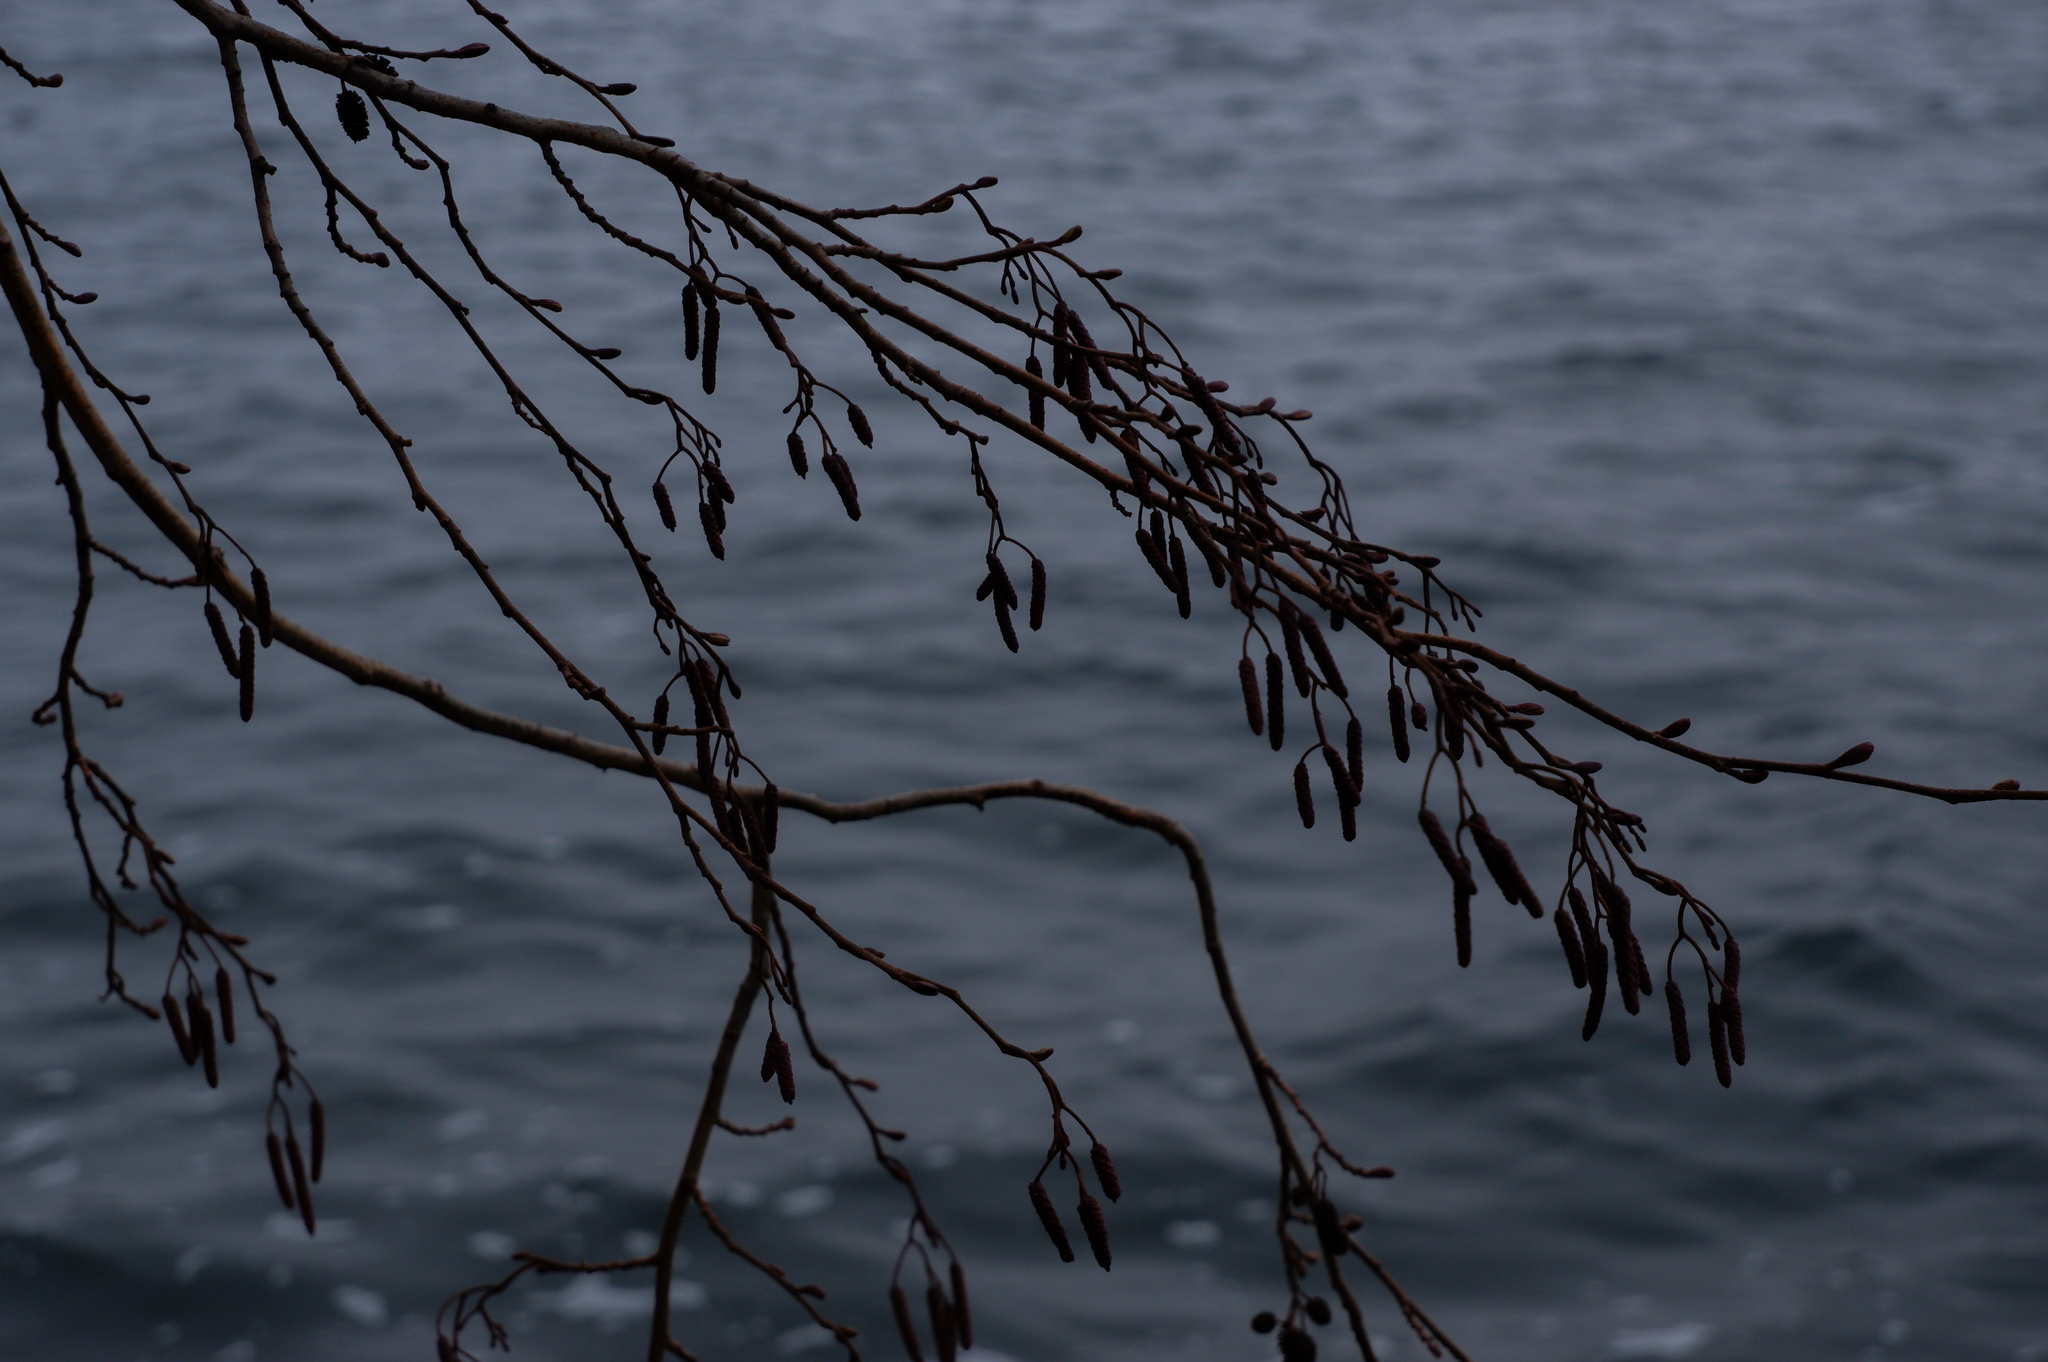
[1704, 342]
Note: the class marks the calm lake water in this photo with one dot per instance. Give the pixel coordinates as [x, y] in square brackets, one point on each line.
[1707, 344]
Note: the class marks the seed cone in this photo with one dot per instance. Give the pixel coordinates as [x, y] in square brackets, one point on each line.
[353, 115]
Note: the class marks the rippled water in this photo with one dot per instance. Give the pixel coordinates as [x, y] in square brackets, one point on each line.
[1705, 344]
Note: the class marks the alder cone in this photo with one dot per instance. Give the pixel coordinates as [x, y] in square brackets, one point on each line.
[353, 115]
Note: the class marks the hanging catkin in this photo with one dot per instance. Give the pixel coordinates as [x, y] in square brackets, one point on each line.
[1105, 1171]
[1276, 716]
[899, 1305]
[1399, 722]
[1568, 937]
[941, 1312]
[710, 344]
[1596, 981]
[224, 991]
[1095, 1227]
[1248, 679]
[218, 627]
[277, 1171]
[1041, 1201]
[247, 697]
[260, 585]
[963, 1317]
[1681, 1043]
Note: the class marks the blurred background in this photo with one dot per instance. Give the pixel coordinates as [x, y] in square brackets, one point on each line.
[1705, 344]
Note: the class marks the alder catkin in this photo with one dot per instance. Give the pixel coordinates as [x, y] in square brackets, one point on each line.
[1461, 919]
[835, 466]
[1041, 1201]
[1095, 1227]
[260, 584]
[202, 1035]
[1276, 715]
[1354, 754]
[1568, 937]
[1005, 627]
[1037, 593]
[1501, 864]
[690, 321]
[708, 518]
[1037, 398]
[1456, 866]
[1004, 590]
[353, 115]
[277, 1172]
[1060, 357]
[1312, 634]
[1399, 722]
[1248, 679]
[1731, 965]
[1290, 637]
[1681, 1042]
[1580, 916]
[247, 651]
[862, 431]
[1105, 1171]
[317, 1118]
[710, 344]
[225, 992]
[300, 1187]
[1731, 1018]
[1304, 801]
[941, 1311]
[1717, 1037]
[1596, 981]
[899, 1303]
[664, 505]
[963, 1318]
[771, 816]
[1418, 714]
[219, 628]
[1177, 559]
[660, 718]
[172, 1014]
